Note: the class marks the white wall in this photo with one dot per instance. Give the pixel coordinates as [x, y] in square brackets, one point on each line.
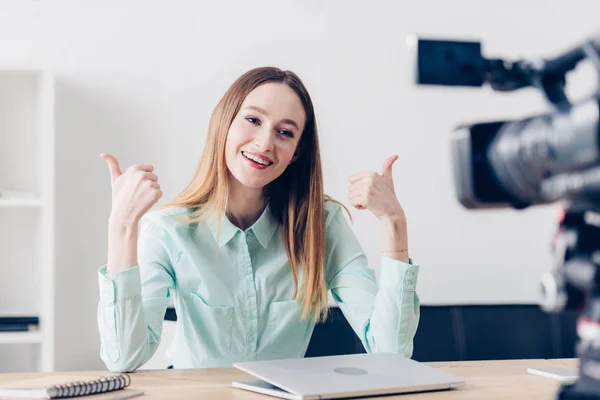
[140, 78]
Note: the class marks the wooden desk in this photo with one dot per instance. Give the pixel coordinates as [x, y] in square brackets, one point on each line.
[484, 380]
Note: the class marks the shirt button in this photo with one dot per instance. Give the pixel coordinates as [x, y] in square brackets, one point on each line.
[410, 273]
[250, 294]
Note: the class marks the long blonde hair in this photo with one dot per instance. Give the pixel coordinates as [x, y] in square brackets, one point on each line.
[296, 198]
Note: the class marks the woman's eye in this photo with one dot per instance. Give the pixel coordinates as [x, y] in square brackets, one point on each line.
[253, 120]
[287, 133]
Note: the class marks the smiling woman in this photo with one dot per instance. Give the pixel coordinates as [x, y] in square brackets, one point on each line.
[264, 140]
[251, 247]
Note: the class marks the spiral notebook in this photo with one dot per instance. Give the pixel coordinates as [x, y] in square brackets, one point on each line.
[62, 386]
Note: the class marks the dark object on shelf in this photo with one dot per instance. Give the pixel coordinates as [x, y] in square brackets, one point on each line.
[17, 323]
[14, 328]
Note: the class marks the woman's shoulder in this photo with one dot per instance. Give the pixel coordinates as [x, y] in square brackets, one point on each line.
[332, 209]
[332, 206]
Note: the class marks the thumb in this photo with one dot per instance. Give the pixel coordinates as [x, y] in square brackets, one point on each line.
[113, 166]
[387, 166]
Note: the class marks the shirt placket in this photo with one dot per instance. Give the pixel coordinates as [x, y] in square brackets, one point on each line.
[250, 306]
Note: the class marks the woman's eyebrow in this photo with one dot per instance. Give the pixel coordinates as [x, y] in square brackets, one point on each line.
[285, 121]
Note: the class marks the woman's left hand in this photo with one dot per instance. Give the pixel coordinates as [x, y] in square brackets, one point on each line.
[369, 190]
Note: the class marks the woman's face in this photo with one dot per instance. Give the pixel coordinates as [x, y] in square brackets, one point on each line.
[263, 136]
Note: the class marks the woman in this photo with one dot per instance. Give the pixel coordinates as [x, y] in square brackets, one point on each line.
[250, 248]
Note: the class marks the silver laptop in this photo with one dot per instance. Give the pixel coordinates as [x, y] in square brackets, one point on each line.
[343, 376]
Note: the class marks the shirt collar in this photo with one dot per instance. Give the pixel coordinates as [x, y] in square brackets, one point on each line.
[264, 228]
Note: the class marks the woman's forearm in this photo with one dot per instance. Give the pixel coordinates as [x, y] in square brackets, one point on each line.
[122, 246]
[395, 238]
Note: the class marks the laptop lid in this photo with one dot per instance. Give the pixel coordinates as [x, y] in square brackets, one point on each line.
[347, 375]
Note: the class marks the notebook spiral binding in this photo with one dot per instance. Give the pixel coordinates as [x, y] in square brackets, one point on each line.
[83, 388]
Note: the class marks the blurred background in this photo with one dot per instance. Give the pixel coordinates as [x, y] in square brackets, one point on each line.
[139, 79]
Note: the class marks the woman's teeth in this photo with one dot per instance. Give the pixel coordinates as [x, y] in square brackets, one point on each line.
[256, 159]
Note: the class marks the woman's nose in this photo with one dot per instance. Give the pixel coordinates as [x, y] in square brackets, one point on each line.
[264, 139]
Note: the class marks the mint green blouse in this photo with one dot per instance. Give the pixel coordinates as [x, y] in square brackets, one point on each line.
[233, 301]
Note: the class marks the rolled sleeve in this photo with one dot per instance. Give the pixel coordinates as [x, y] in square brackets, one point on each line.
[385, 318]
[399, 275]
[129, 318]
[119, 286]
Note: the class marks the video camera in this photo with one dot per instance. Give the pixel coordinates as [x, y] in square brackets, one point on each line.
[537, 160]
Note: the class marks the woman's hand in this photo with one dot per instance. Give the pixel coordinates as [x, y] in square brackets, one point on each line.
[134, 192]
[369, 190]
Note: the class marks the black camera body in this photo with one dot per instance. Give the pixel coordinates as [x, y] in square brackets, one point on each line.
[542, 159]
[538, 160]
[518, 163]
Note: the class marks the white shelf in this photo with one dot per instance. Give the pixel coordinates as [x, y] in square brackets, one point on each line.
[21, 337]
[10, 200]
[27, 220]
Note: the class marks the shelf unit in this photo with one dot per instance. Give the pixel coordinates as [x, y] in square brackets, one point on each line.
[9, 200]
[27, 207]
[21, 337]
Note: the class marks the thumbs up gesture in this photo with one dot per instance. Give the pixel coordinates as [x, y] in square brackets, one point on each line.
[369, 190]
[134, 191]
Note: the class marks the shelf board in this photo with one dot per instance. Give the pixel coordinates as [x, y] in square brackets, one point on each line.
[21, 337]
[9, 200]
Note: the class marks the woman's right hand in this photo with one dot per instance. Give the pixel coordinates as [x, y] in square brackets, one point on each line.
[134, 192]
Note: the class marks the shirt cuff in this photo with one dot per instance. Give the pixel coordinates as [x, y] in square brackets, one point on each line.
[398, 274]
[118, 286]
